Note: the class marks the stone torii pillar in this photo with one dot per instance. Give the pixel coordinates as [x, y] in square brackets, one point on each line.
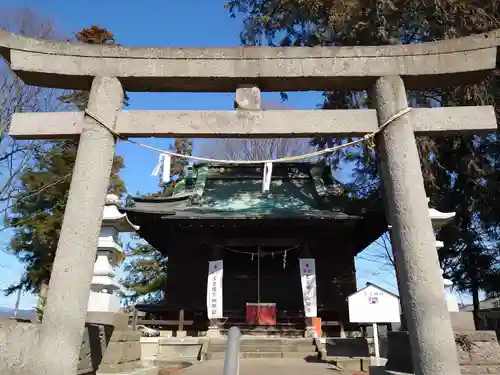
[69, 288]
[421, 287]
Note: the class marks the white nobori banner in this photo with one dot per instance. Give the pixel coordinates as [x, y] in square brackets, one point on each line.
[214, 289]
[308, 280]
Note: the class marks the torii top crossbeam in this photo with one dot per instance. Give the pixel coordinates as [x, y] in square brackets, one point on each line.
[72, 66]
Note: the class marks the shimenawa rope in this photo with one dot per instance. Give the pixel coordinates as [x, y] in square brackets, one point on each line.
[366, 138]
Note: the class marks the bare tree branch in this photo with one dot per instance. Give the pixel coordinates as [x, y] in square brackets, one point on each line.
[256, 149]
[15, 96]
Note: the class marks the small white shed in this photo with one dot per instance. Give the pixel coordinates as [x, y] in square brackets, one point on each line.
[373, 304]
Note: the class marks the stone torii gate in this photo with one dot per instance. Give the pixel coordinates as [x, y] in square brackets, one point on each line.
[387, 70]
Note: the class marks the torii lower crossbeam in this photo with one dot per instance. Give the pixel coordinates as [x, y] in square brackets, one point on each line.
[253, 124]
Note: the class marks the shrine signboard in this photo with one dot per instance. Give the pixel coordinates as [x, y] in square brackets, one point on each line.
[374, 305]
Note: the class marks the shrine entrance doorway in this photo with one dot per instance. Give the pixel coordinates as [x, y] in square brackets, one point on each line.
[262, 287]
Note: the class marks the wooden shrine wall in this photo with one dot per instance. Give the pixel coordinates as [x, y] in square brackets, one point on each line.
[279, 279]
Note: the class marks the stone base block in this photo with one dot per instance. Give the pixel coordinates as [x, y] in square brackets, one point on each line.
[462, 321]
[107, 349]
[180, 349]
[310, 332]
[478, 352]
[117, 320]
[339, 347]
[213, 333]
[129, 336]
[149, 347]
[181, 334]
[122, 352]
[18, 345]
[478, 348]
[399, 356]
[104, 302]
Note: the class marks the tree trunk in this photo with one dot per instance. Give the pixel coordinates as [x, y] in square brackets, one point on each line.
[478, 322]
[42, 297]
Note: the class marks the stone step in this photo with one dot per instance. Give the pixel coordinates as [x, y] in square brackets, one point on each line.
[480, 369]
[277, 341]
[262, 355]
[266, 348]
[271, 333]
[310, 355]
[168, 363]
[350, 364]
[137, 371]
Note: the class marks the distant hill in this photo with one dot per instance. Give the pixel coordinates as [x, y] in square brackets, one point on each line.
[6, 312]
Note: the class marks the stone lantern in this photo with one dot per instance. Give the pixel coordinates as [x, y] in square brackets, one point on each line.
[440, 219]
[105, 288]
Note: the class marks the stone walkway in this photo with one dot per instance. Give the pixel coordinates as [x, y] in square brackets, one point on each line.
[265, 366]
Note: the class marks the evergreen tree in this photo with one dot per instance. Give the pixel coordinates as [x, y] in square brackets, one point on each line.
[461, 172]
[145, 272]
[146, 267]
[182, 146]
[36, 217]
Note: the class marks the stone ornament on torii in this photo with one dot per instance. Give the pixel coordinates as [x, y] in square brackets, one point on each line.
[386, 70]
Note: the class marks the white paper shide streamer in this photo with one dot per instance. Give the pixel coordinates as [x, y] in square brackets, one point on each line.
[266, 178]
[308, 281]
[214, 289]
[163, 166]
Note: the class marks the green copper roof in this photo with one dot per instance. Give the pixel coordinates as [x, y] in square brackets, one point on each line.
[297, 190]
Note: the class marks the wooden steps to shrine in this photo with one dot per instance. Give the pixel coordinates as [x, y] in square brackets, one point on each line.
[264, 347]
[270, 331]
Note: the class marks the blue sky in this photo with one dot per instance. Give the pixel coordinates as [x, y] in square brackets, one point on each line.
[161, 23]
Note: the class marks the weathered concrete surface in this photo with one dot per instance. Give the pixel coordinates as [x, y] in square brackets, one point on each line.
[66, 309]
[63, 65]
[288, 366]
[186, 349]
[248, 124]
[462, 321]
[149, 349]
[478, 352]
[107, 346]
[247, 98]
[420, 281]
[17, 346]
[137, 371]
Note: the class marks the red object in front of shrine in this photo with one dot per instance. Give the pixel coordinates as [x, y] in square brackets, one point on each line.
[261, 314]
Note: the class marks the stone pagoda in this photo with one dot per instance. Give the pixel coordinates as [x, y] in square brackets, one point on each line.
[105, 288]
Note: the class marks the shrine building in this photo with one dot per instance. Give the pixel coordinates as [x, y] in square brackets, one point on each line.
[223, 212]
